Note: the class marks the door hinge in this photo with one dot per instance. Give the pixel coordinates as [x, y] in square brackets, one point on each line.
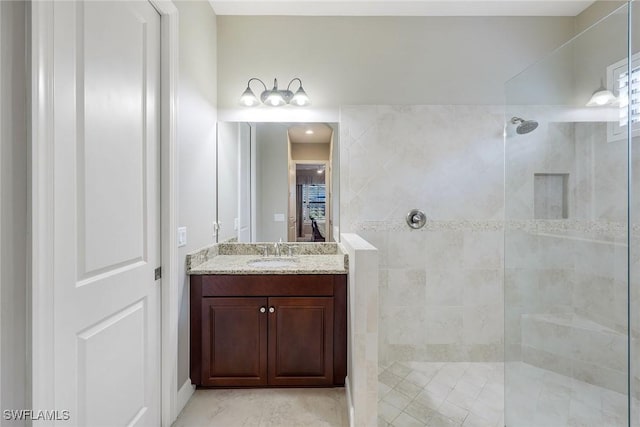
[158, 273]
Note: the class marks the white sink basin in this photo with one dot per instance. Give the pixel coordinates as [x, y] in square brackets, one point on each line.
[272, 263]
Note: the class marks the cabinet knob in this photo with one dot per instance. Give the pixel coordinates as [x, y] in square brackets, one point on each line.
[272, 310]
[263, 310]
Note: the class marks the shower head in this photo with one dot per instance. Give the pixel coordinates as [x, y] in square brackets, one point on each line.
[524, 126]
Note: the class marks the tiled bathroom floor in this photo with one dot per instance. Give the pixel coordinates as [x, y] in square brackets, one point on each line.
[291, 407]
[472, 395]
[422, 394]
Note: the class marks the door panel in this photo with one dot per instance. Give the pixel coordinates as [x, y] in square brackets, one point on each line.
[301, 341]
[107, 215]
[111, 211]
[116, 394]
[234, 341]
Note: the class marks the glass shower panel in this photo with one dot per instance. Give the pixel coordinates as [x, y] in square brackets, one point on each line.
[566, 251]
[633, 133]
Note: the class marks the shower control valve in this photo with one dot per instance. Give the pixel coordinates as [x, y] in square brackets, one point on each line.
[416, 219]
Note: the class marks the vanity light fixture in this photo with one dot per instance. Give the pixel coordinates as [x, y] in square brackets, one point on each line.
[275, 97]
[601, 97]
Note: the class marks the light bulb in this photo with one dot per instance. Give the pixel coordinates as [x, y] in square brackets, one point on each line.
[248, 98]
[602, 97]
[300, 98]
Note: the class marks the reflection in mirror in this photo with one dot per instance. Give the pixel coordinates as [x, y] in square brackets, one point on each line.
[278, 181]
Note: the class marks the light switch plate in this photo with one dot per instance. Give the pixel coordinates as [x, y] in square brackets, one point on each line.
[182, 236]
[278, 217]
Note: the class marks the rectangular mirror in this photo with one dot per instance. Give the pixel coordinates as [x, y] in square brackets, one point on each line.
[278, 181]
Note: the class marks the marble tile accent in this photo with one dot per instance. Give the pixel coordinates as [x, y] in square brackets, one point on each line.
[607, 230]
[319, 407]
[612, 230]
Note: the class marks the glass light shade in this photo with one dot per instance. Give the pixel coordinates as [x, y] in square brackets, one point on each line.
[602, 97]
[273, 98]
[248, 98]
[300, 98]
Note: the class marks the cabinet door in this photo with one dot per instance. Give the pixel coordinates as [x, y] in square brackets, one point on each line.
[300, 341]
[234, 341]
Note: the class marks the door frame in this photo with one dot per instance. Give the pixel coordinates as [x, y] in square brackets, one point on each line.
[42, 236]
[328, 191]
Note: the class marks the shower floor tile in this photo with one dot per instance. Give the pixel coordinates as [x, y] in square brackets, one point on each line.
[441, 394]
[472, 395]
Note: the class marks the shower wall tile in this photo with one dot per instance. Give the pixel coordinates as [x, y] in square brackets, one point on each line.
[441, 286]
[406, 287]
[483, 287]
[482, 250]
[444, 250]
[407, 325]
[483, 324]
[445, 288]
[444, 324]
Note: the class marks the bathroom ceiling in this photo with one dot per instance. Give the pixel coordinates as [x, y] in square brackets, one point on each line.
[321, 133]
[401, 7]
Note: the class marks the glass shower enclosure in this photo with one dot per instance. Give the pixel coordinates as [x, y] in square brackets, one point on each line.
[572, 232]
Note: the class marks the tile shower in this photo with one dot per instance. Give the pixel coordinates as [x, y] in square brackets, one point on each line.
[440, 290]
[511, 306]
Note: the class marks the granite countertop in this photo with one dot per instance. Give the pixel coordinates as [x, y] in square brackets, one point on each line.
[234, 258]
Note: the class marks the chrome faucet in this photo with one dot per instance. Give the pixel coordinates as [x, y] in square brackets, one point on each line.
[276, 248]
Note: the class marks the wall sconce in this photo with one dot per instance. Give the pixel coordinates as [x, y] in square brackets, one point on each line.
[601, 97]
[275, 97]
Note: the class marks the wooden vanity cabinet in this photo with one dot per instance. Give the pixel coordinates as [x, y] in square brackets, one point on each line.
[268, 330]
[234, 337]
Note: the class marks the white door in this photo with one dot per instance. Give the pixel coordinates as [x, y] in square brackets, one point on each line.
[107, 216]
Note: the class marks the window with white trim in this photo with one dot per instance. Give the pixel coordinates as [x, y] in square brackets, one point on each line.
[618, 79]
[313, 201]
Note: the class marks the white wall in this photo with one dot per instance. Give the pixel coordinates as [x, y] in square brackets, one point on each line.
[272, 181]
[381, 60]
[228, 164]
[197, 94]
[14, 333]
[594, 50]
[596, 12]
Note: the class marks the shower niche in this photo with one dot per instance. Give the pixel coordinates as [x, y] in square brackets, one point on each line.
[550, 196]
